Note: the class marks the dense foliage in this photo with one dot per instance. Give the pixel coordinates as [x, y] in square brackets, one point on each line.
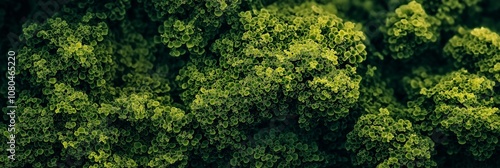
[254, 83]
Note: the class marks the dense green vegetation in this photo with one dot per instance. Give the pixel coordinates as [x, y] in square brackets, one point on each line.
[253, 83]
